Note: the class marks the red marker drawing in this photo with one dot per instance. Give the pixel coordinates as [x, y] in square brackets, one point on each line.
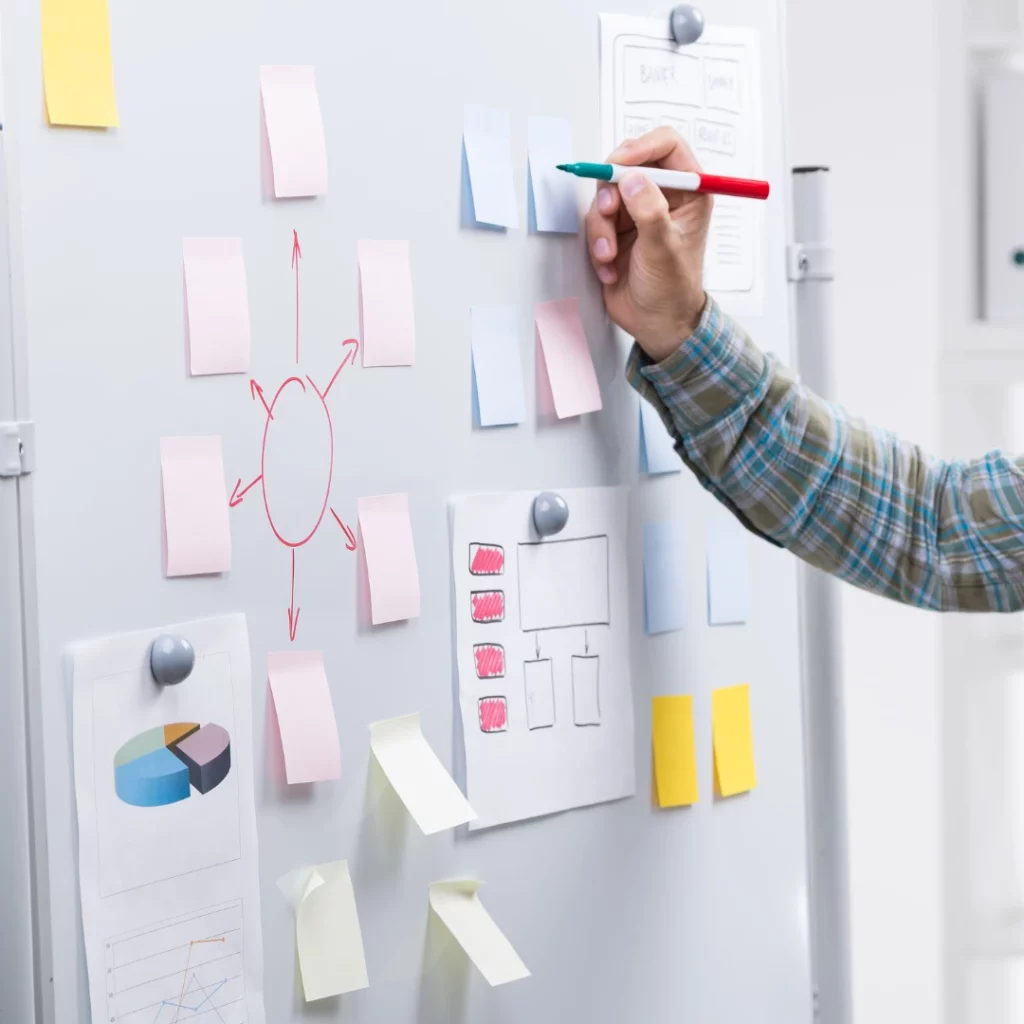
[296, 256]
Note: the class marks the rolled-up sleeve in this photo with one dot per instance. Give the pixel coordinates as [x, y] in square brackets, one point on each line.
[848, 498]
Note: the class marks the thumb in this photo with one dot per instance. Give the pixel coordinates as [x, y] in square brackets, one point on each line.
[647, 205]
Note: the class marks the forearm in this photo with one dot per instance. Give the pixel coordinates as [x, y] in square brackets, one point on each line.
[848, 498]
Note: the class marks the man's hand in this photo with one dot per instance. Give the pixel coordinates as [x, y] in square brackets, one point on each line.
[647, 246]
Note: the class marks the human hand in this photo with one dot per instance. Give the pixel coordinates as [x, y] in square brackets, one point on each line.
[647, 246]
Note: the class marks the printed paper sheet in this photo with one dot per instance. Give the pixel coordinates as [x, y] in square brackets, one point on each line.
[543, 654]
[710, 93]
[167, 829]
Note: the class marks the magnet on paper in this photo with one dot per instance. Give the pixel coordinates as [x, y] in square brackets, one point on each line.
[550, 513]
[686, 22]
[171, 659]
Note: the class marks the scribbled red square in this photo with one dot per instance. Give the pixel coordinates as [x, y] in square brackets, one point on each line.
[486, 559]
[490, 661]
[493, 714]
[488, 605]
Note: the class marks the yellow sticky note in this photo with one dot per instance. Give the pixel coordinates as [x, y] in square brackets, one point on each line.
[675, 756]
[733, 738]
[78, 73]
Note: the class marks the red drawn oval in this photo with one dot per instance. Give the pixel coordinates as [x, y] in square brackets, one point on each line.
[309, 388]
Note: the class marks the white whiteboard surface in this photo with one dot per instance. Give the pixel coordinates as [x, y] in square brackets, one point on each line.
[621, 912]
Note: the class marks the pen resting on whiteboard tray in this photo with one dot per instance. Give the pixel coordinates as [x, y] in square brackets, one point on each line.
[847, 497]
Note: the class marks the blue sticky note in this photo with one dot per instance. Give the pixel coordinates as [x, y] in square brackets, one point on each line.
[554, 196]
[728, 571]
[497, 366]
[657, 451]
[487, 156]
[664, 577]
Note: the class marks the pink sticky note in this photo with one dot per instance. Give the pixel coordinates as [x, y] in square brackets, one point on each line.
[196, 524]
[218, 305]
[570, 369]
[390, 558]
[385, 304]
[305, 715]
[295, 131]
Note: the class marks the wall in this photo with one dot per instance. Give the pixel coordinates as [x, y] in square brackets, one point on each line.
[860, 97]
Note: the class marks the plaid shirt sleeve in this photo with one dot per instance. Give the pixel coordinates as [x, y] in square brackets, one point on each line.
[846, 497]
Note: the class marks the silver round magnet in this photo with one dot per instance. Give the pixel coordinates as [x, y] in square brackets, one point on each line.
[171, 659]
[550, 513]
[686, 22]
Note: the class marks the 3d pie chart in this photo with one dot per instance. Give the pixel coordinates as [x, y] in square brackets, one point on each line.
[163, 765]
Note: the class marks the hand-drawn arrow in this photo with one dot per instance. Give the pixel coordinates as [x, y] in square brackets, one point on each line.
[350, 537]
[296, 256]
[536, 641]
[254, 390]
[353, 347]
[293, 612]
[237, 495]
[586, 642]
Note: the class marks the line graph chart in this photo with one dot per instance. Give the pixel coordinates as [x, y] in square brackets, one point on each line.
[178, 971]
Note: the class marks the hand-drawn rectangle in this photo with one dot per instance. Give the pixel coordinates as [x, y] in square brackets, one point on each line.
[489, 660]
[564, 583]
[493, 713]
[486, 559]
[488, 605]
[586, 691]
[540, 694]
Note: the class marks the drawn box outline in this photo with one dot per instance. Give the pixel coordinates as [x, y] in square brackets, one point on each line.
[586, 657]
[551, 543]
[487, 622]
[504, 658]
[479, 705]
[551, 678]
[481, 544]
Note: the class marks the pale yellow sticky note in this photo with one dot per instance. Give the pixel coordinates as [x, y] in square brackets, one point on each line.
[327, 933]
[733, 737]
[458, 905]
[78, 72]
[417, 775]
[675, 755]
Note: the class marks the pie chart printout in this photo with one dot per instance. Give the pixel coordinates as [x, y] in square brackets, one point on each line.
[163, 765]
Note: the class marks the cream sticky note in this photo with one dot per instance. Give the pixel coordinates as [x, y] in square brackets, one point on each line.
[733, 738]
[553, 193]
[217, 300]
[457, 904]
[196, 525]
[295, 131]
[417, 776]
[486, 140]
[675, 755]
[78, 73]
[390, 557]
[497, 366]
[328, 938]
[305, 715]
[570, 369]
[385, 304]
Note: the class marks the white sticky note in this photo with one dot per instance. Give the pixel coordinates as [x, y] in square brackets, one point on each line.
[197, 530]
[554, 193]
[486, 137]
[305, 715]
[497, 365]
[728, 571]
[328, 938]
[657, 450]
[385, 304]
[390, 557]
[295, 131]
[457, 904]
[217, 300]
[417, 775]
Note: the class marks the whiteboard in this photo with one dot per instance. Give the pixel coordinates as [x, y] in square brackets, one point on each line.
[621, 911]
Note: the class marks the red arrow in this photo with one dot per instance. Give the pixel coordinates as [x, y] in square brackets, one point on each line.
[350, 354]
[350, 537]
[296, 256]
[293, 612]
[254, 390]
[237, 495]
